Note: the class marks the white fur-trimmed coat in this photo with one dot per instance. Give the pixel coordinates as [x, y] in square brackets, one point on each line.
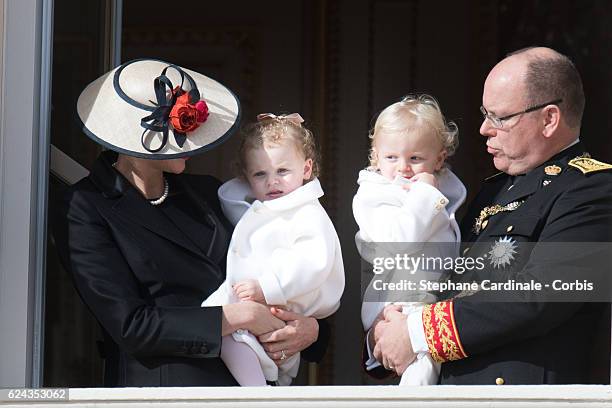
[386, 213]
[288, 244]
[397, 221]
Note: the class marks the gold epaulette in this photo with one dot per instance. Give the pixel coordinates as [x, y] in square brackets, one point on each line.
[587, 165]
[494, 176]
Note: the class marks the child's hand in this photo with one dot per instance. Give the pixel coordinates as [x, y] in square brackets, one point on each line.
[426, 178]
[249, 290]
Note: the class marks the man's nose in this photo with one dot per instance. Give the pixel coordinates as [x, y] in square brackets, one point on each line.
[486, 129]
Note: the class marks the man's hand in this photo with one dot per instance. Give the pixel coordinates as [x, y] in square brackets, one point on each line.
[380, 318]
[249, 290]
[393, 348]
[299, 333]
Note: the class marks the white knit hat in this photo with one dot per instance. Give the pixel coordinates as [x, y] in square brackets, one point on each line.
[153, 109]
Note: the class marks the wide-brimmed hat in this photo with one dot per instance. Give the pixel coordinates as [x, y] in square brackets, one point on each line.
[157, 110]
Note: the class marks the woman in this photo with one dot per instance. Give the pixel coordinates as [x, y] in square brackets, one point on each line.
[145, 243]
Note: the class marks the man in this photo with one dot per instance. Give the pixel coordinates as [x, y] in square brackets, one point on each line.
[548, 190]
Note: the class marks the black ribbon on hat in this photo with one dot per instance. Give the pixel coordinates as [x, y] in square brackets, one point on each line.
[159, 120]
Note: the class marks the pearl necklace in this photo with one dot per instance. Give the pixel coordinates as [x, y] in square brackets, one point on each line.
[164, 195]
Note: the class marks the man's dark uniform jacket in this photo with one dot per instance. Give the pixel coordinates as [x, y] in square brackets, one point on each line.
[531, 228]
[557, 206]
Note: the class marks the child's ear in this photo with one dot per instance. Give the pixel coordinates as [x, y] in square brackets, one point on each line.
[373, 153]
[441, 159]
[307, 169]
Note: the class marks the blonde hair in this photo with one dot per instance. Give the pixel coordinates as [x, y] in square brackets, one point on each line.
[277, 130]
[414, 111]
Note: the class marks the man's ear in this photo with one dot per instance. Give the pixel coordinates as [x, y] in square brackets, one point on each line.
[307, 169]
[551, 120]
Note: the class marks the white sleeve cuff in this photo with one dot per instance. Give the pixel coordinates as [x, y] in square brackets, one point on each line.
[417, 332]
[430, 194]
[371, 362]
[271, 289]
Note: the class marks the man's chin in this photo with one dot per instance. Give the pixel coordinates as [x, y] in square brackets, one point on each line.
[510, 168]
[501, 164]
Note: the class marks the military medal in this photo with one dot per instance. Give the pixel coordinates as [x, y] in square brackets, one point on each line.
[481, 220]
[502, 252]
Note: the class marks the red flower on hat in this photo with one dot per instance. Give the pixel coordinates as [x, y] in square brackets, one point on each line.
[185, 115]
[202, 108]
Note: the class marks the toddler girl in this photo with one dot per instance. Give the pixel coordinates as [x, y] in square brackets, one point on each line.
[284, 249]
[408, 197]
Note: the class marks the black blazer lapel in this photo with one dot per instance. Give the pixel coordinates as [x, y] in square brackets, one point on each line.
[213, 223]
[128, 203]
[133, 206]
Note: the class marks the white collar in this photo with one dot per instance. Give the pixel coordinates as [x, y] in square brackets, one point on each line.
[234, 196]
[449, 185]
[571, 144]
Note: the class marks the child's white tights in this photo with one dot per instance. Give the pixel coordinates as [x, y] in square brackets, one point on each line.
[242, 362]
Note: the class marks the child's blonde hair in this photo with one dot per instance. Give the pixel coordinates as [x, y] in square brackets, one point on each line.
[414, 111]
[277, 129]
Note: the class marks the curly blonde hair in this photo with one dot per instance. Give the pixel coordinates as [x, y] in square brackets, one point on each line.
[414, 111]
[276, 131]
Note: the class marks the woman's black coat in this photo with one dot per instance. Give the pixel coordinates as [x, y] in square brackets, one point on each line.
[144, 270]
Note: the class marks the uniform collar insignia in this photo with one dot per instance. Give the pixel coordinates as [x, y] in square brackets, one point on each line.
[552, 170]
[588, 165]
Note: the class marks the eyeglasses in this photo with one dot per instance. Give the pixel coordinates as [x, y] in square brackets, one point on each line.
[498, 123]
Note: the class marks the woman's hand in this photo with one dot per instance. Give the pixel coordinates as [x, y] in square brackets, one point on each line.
[299, 333]
[250, 316]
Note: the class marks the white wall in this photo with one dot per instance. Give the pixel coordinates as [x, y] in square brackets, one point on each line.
[340, 397]
[19, 165]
